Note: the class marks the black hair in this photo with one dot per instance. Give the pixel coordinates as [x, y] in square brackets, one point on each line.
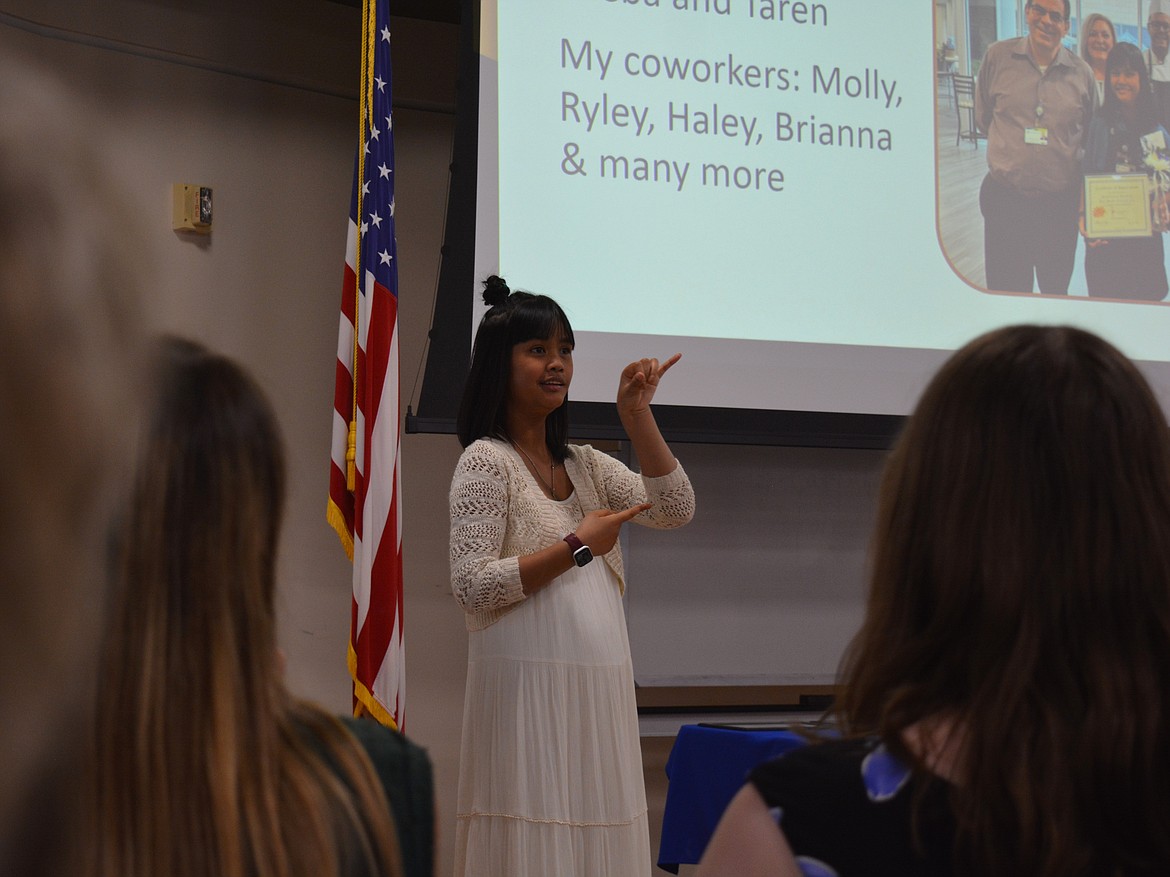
[513, 317]
[1129, 58]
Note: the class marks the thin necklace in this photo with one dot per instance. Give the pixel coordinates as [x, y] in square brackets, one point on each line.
[552, 468]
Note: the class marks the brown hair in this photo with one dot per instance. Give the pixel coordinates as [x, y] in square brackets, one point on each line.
[1021, 589]
[206, 765]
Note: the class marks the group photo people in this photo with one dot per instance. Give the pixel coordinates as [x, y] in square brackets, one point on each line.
[1117, 142]
[1097, 38]
[1049, 114]
[1034, 99]
[1157, 56]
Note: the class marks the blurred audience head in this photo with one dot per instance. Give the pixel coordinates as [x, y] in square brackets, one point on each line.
[68, 383]
[192, 696]
[1020, 593]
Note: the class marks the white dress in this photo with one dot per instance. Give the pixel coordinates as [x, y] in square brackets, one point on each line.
[550, 781]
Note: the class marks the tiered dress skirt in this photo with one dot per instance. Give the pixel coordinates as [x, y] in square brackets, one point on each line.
[550, 781]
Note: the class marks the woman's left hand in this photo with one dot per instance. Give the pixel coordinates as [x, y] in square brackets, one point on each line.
[638, 383]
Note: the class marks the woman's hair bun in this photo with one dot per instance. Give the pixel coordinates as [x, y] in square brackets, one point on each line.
[495, 291]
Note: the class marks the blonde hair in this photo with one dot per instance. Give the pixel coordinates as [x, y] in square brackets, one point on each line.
[1086, 26]
[207, 766]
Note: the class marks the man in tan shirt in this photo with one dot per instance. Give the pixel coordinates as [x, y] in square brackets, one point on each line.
[1034, 100]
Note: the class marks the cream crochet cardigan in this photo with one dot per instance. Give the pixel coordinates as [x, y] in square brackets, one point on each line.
[498, 514]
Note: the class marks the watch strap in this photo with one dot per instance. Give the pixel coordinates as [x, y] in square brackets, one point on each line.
[581, 552]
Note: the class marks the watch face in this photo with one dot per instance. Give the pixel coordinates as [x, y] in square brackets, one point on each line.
[582, 555]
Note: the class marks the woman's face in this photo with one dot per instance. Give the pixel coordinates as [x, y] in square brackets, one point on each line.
[1126, 84]
[542, 369]
[1098, 41]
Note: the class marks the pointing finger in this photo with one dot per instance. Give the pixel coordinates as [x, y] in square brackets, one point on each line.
[670, 362]
[632, 511]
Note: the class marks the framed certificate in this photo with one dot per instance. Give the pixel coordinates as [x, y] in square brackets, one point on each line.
[1117, 206]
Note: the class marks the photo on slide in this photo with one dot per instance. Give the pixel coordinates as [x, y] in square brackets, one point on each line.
[1062, 197]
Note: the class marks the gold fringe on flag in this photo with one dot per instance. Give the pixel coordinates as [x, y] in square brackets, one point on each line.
[364, 701]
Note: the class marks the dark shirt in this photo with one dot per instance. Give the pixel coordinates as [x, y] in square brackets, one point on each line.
[846, 809]
[405, 772]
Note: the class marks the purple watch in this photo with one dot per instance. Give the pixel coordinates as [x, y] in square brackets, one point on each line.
[581, 553]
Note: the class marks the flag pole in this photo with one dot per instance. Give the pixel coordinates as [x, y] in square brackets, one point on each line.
[365, 485]
[365, 102]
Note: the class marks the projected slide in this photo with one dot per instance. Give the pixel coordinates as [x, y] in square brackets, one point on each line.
[774, 186]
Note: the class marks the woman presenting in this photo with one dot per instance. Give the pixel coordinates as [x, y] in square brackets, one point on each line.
[551, 770]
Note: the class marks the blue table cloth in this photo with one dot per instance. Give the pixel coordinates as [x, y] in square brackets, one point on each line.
[706, 767]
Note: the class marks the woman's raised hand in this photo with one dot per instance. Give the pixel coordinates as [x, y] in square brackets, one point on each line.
[638, 383]
[599, 529]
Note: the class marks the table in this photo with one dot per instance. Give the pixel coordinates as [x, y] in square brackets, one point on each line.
[707, 766]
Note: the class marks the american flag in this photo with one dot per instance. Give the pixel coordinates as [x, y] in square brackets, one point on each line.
[367, 513]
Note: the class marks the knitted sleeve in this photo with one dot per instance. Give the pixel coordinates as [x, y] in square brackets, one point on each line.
[672, 494]
[479, 499]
